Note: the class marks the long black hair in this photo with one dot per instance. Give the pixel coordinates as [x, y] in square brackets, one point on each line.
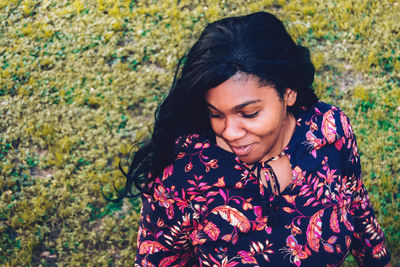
[255, 44]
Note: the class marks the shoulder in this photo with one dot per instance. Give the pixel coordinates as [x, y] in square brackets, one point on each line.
[327, 123]
[198, 168]
[198, 156]
[191, 142]
[321, 130]
[201, 163]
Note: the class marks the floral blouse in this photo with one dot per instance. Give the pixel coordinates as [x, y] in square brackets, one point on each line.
[210, 209]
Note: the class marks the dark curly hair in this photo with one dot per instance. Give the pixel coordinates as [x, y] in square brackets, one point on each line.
[256, 44]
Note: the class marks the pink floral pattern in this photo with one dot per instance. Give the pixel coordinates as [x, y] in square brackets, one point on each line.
[207, 209]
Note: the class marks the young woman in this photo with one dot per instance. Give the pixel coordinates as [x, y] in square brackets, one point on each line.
[246, 167]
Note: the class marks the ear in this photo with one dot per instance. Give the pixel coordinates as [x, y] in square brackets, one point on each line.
[290, 97]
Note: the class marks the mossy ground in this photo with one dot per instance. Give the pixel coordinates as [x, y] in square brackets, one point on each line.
[80, 80]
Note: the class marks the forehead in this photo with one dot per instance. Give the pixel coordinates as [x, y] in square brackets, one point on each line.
[239, 89]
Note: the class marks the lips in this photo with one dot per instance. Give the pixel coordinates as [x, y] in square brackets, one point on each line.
[241, 151]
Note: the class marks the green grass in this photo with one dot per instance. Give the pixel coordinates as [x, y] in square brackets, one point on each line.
[80, 80]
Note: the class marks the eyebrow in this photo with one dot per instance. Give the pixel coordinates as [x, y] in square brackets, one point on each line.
[237, 107]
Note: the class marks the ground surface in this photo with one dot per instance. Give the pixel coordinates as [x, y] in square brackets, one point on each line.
[79, 82]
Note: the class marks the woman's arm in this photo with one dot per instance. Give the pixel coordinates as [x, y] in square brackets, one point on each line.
[368, 243]
[162, 239]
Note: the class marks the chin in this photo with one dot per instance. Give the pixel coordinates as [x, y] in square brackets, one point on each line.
[247, 160]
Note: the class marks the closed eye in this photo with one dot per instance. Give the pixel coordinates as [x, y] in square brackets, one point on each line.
[249, 116]
[215, 115]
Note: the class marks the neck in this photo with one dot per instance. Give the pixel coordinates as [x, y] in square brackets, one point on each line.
[283, 140]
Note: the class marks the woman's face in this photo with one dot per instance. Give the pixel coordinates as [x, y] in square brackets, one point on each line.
[250, 119]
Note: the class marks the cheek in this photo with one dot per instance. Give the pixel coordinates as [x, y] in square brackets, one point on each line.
[264, 126]
[217, 126]
[262, 131]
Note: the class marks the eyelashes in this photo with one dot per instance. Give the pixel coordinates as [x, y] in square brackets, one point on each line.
[215, 116]
[244, 115]
[249, 116]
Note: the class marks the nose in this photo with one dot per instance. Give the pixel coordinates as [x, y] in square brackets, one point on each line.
[233, 130]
